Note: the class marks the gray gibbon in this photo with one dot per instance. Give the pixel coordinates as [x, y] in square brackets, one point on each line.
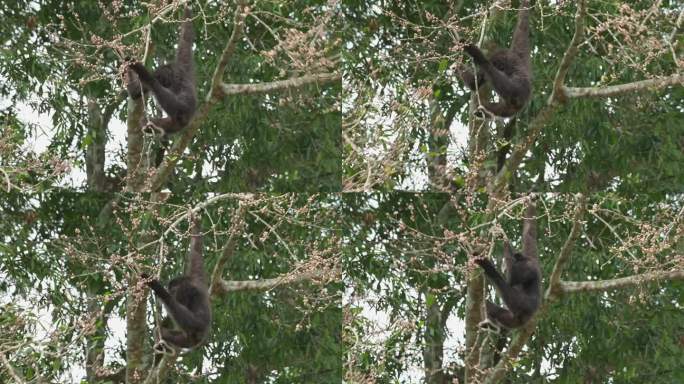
[520, 290]
[187, 299]
[508, 71]
[173, 85]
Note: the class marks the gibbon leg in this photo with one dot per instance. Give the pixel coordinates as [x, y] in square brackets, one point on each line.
[184, 317]
[469, 79]
[501, 109]
[163, 125]
[516, 300]
[177, 338]
[163, 348]
[151, 127]
[508, 88]
[168, 101]
[501, 316]
[489, 325]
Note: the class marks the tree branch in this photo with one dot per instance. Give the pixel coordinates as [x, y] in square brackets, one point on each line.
[556, 285]
[136, 331]
[473, 316]
[514, 348]
[118, 376]
[614, 90]
[678, 25]
[228, 249]
[605, 285]
[297, 82]
[564, 256]
[216, 80]
[223, 286]
[558, 91]
[499, 183]
[10, 369]
[135, 179]
[158, 374]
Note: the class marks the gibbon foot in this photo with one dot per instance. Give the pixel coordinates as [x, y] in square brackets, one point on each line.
[487, 325]
[483, 114]
[149, 128]
[162, 348]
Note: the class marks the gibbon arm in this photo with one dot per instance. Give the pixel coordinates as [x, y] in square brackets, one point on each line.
[185, 318]
[504, 85]
[166, 99]
[195, 261]
[494, 276]
[520, 43]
